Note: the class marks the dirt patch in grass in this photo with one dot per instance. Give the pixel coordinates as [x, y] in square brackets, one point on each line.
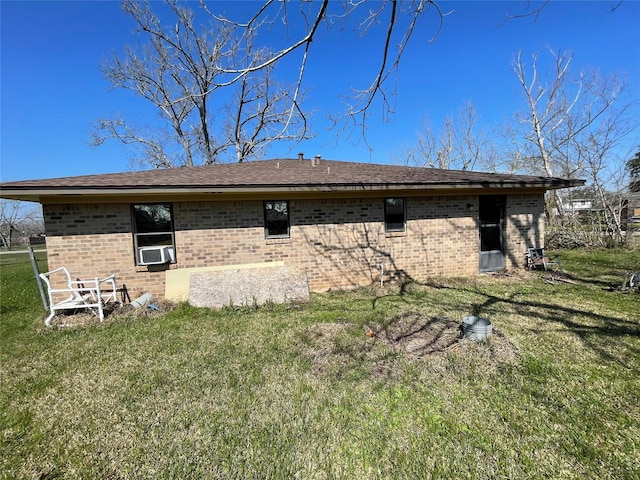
[417, 335]
[112, 312]
[414, 336]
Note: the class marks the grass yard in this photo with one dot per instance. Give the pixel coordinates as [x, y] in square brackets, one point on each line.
[370, 384]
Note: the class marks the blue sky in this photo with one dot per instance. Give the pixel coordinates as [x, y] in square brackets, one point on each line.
[52, 88]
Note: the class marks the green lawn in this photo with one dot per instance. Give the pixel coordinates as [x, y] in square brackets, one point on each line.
[353, 385]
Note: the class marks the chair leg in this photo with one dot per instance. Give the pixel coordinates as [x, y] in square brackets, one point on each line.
[47, 320]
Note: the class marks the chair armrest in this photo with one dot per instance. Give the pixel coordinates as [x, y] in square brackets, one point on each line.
[112, 291]
[59, 269]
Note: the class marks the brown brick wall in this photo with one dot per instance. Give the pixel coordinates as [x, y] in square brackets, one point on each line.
[339, 243]
[524, 227]
[95, 240]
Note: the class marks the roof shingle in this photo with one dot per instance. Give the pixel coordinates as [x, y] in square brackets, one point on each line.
[284, 174]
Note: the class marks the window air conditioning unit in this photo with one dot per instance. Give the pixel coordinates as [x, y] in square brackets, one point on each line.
[155, 255]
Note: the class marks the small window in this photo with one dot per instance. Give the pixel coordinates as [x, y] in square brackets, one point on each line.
[152, 230]
[276, 219]
[394, 215]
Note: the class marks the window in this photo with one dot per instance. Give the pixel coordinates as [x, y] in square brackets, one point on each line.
[394, 215]
[153, 229]
[276, 219]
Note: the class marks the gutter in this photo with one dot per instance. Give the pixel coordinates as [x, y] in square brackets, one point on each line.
[35, 194]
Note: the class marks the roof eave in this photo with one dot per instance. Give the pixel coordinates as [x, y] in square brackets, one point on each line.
[35, 194]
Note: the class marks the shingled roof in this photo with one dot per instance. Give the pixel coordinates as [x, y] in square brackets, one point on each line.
[279, 175]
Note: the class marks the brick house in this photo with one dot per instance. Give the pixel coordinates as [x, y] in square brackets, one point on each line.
[342, 224]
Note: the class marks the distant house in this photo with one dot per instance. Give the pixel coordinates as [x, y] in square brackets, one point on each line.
[633, 218]
[578, 205]
[634, 207]
[341, 224]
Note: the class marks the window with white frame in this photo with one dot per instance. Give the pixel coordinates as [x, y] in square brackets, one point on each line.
[153, 234]
[394, 215]
[276, 219]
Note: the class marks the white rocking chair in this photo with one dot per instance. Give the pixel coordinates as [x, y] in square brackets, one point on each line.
[79, 294]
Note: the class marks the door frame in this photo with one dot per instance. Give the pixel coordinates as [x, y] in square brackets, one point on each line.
[491, 216]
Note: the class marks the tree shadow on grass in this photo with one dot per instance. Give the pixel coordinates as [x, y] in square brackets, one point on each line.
[555, 276]
[596, 332]
[405, 285]
[434, 343]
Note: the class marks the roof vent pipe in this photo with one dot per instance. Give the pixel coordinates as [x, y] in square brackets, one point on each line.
[301, 156]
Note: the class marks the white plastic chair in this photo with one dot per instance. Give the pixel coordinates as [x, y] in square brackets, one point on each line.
[78, 294]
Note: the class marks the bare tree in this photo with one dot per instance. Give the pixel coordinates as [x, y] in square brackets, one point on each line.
[389, 24]
[183, 71]
[460, 144]
[604, 166]
[207, 52]
[576, 125]
[571, 124]
[17, 222]
[260, 113]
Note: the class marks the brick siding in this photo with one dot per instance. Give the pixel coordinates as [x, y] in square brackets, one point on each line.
[524, 227]
[339, 243]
